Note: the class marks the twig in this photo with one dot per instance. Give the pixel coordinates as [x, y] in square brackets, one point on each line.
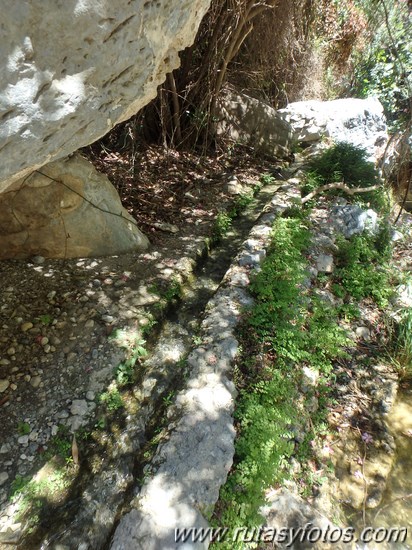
[365, 489]
[176, 107]
[339, 185]
[391, 502]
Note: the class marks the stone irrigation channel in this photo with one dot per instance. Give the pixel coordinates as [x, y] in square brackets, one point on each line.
[130, 493]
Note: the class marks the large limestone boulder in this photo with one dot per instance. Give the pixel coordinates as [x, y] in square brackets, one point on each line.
[72, 69]
[66, 210]
[358, 121]
[244, 119]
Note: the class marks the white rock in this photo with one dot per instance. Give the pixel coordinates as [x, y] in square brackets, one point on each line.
[324, 263]
[79, 407]
[47, 211]
[4, 384]
[310, 378]
[360, 122]
[34, 434]
[90, 395]
[396, 236]
[23, 440]
[252, 258]
[404, 293]
[363, 332]
[73, 70]
[233, 187]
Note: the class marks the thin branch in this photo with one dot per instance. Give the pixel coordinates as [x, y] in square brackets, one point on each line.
[176, 107]
[342, 187]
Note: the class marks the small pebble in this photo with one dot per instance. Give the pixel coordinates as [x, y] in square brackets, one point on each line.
[4, 384]
[35, 381]
[4, 476]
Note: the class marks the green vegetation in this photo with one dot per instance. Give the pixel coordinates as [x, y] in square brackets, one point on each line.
[363, 270]
[112, 398]
[383, 67]
[402, 344]
[60, 445]
[288, 328]
[46, 319]
[23, 428]
[348, 164]
[224, 219]
[266, 179]
[167, 291]
[29, 494]
[173, 291]
[368, 53]
[222, 223]
[134, 345]
[344, 162]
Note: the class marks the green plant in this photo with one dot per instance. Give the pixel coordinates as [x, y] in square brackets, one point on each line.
[17, 486]
[240, 204]
[112, 398]
[60, 444]
[124, 374]
[100, 424]
[29, 494]
[402, 344]
[147, 327]
[168, 399]
[266, 179]
[222, 223]
[345, 162]
[23, 428]
[173, 290]
[136, 350]
[46, 319]
[197, 340]
[362, 269]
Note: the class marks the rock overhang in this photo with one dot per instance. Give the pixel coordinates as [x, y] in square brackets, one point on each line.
[71, 70]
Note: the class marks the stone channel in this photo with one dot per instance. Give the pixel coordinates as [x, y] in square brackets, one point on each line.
[193, 364]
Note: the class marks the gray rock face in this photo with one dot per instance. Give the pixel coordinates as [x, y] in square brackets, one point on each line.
[72, 69]
[357, 121]
[351, 219]
[250, 121]
[48, 215]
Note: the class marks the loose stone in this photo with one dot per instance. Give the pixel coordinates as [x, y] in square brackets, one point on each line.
[35, 381]
[79, 407]
[4, 476]
[4, 384]
[324, 263]
[23, 440]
